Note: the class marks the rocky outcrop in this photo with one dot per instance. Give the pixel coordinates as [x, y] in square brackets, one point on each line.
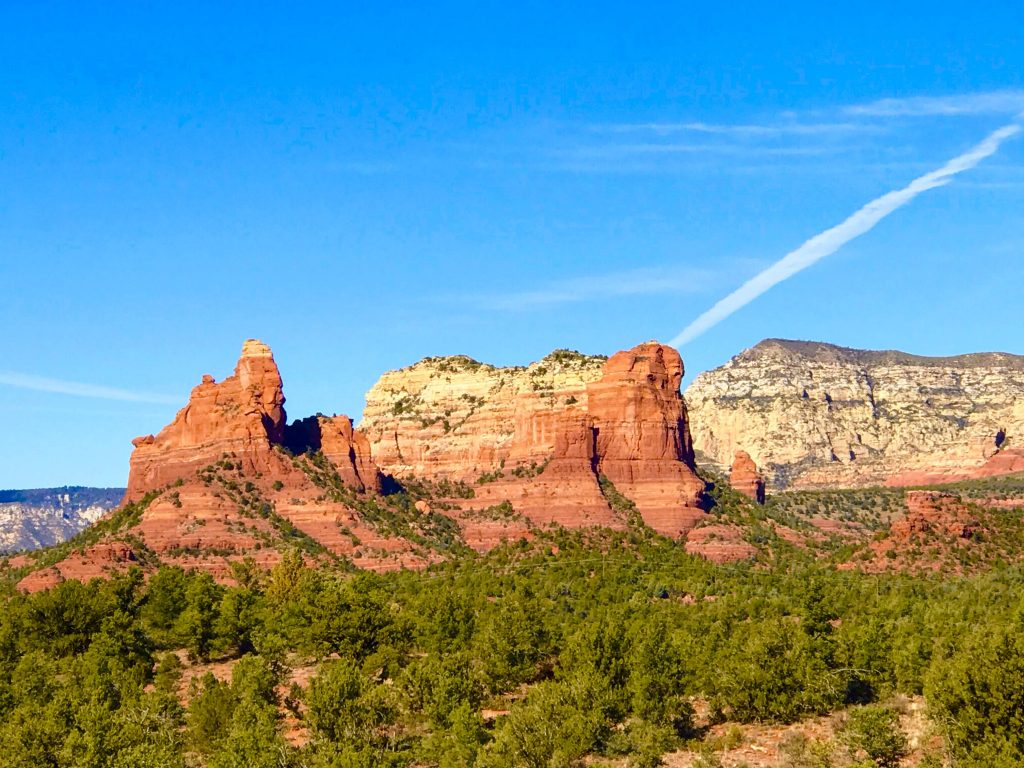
[456, 418]
[242, 416]
[102, 559]
[941, 514]
[542, 437]
[642, 438]
[558, 486]
[1004, 462]
[222, 482]
[745, 477]
[720, 543]
[346, 448]
[817, 415]
[940, 532]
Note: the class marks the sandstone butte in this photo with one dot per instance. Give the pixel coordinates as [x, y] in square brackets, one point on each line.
[574, 440]
[543, 437]
[817, 415]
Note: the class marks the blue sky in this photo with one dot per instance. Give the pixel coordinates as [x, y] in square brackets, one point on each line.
[363, 187]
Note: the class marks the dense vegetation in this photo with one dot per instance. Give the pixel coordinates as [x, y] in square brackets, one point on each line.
[585, 644]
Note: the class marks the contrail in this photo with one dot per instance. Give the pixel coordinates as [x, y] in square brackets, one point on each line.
[57, 386]
[831, 240]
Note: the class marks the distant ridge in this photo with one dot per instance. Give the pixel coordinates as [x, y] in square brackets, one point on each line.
[81, 494]
[812, 414]
[40, 517]
[823, 352]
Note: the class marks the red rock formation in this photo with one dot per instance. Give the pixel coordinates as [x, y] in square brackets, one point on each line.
[101, 559]
[224, 491]
[745, 478]
[345, 447]
[643, 441]
[577, 416]
[936, 513]
[633, 431]
[243, 416]
[936, 527]
[560, 485]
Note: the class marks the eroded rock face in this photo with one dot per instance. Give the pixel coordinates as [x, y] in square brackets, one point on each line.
[816, 415]
[242, 415]
[345, 447]
[226, 489]
[643, 441]
[745, 477]
[41, 517]
[936, 527]
[456, 418]
[101, 559]
[559, 485]
[937, 513]
[542, 436]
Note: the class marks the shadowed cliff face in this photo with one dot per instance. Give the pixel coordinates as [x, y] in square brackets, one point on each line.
[346, 448]
[816, 415]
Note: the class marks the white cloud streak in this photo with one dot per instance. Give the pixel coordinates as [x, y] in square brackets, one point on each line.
[78, 389]
[636, 282]
[739, 130]
[1003, 102]
[831, 240]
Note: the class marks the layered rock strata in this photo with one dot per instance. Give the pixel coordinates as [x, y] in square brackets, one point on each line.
[41, 517]
[544, 436]
[817, 415]
[221, 483]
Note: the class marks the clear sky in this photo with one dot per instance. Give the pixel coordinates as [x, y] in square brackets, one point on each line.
[361, 188]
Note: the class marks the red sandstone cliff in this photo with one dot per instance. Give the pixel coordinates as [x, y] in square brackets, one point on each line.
[345, 447]
[242, 415]
[225, 490]
[541, 437]
[642, 437]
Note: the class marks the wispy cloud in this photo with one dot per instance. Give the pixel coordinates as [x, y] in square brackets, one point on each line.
[751, 130]
[831, 240]
[636, 282]
[1004, 102]
[787, 136]
[652, 148]
[78, 389]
